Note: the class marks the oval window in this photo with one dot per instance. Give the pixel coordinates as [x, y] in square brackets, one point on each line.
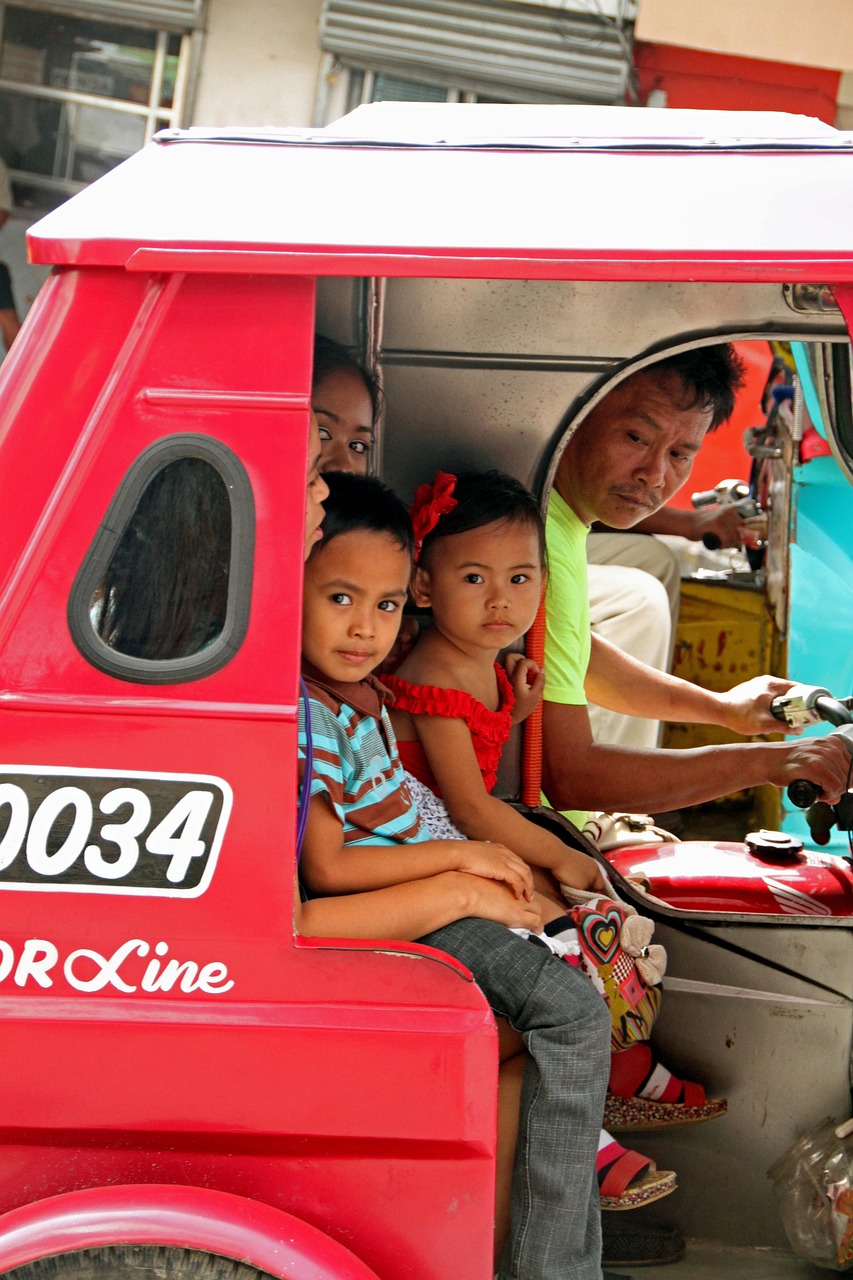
[163, 594]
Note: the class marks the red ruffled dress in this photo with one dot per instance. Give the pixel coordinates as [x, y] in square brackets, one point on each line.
[489, 733]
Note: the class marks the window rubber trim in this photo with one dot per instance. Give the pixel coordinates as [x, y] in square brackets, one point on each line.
[196, 666]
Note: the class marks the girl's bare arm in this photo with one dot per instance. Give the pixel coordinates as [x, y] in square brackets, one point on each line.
[481, 816]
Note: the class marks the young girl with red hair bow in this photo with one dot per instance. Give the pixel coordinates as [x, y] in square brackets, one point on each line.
[480, 565]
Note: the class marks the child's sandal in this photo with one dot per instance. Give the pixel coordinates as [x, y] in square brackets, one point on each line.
[643, 1094]
[628, 1180]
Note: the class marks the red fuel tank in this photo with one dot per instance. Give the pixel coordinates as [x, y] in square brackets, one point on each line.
[770, 874]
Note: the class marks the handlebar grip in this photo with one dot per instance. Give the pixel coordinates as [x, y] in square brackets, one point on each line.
[803, 793]
[712, 541]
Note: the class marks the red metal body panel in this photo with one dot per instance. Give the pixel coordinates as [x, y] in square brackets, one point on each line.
[304, 1077]
[191, 1041]
[725, 876]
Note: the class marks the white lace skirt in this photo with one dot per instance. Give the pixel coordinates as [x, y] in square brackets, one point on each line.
[434, 813]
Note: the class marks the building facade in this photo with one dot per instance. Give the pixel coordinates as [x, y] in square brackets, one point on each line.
[84, 83]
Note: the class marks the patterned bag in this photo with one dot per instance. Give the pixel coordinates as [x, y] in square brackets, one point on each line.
[616, 952]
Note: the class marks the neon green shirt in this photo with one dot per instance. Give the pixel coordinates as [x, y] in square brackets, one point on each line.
[567, 633]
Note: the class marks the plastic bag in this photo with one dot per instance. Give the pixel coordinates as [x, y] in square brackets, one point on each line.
[813, 1183]
[624, 831]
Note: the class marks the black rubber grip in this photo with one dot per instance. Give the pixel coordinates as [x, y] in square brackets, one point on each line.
[803, 793]
[712, 541]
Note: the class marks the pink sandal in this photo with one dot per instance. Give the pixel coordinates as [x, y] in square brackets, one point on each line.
[626, 1179]
[643, 1094]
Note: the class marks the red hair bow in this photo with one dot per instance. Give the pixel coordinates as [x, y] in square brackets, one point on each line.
[432, 501]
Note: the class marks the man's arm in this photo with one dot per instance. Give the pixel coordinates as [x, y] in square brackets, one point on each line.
[725, 522]
[621, 683]
[579, 773]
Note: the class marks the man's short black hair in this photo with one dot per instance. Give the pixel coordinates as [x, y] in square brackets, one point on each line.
[711, 377]
[358, 503]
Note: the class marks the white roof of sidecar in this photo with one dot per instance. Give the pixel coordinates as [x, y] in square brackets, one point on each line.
[479, 190]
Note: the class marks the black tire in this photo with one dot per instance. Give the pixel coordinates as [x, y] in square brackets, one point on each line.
[136, 1262]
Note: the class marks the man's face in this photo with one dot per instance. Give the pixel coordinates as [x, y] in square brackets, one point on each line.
[634, 451]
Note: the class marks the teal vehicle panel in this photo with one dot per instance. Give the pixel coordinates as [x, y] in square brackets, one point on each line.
[821, 593]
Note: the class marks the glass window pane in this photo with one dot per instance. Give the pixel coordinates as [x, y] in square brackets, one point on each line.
[170, 71]
[164, 593]
[93, 140]
[29, 131]
[66, 143]
[99, 58]
[393, 89]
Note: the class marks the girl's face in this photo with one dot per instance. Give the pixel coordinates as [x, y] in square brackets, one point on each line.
[483, 586]
[344, 412]
[316, 489]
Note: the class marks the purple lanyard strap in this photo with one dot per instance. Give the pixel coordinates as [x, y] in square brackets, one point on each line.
[305, 796]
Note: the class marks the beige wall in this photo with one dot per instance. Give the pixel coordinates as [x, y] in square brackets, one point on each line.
[259, 64]
[813, 33]
[844, 118]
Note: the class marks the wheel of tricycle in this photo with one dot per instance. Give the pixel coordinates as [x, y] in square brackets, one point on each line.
[136, 1262]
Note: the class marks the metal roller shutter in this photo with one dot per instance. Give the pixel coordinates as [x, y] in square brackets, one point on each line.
[485, 46]
[168, 15]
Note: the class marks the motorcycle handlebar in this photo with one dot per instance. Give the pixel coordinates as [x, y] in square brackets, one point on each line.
[804, 793]
[807, 704]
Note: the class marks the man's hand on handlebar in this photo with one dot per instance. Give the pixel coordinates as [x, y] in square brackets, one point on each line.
[723, 523]
[746, 707]
[824, 761]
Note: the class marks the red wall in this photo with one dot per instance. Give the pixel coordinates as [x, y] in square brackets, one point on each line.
[722, 456]
[716, 81]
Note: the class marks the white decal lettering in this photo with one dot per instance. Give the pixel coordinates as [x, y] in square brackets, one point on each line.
[16, 798]
[178, 836]
[212, 974]
[54, 864]
[149, 977]
[108, 968]
[87, 970]
[187, 972]
[37, 959]
[123, 834]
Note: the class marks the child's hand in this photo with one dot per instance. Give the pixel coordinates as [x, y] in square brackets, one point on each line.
[579, 871]
[496, 862]
[492, 900]
[528, 684]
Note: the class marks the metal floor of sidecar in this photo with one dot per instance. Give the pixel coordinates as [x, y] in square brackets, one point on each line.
[703, 1261]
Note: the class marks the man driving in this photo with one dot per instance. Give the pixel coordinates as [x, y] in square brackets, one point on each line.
[625, 460]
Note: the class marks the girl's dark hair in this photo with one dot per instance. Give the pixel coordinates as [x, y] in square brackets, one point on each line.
[331, 357]
[164, 593]
[363, 502]
[486, 497]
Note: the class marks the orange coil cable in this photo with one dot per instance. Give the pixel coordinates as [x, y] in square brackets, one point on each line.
[531, 753]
